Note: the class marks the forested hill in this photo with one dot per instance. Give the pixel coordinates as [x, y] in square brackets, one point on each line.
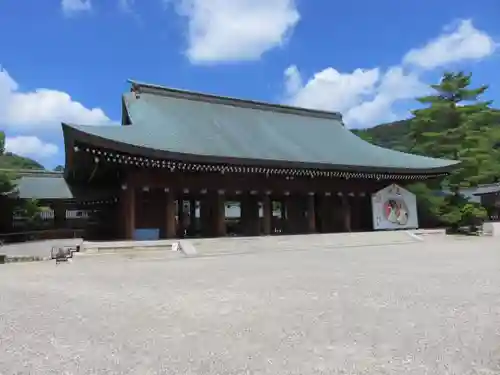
[12, 161]
[394, 135]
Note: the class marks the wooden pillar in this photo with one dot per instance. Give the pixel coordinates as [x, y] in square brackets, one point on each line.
[243, 214]
[311, 213]
[291, 215]
[205, 216]
[192, 216]
[356, 208]
[59, 215]
[219, 214]
[250, 214]
[327, 213]
[128, 207]
[346, 213]
[366, 219]
[286, 214]
[183, 218]
[170, 225]
[267, 214]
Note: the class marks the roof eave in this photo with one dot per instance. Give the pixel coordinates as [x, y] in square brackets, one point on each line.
[72, 134]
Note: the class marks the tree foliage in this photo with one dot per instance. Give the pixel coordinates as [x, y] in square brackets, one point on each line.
[12, 161]
[6, 179]
[454, 123]
[29, 208]
[2, 143]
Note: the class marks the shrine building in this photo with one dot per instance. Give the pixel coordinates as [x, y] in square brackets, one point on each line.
[180, 159]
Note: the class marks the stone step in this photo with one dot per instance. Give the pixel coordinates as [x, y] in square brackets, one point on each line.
[430, 232]
[114, 246]
[302, 242]
[206, 246]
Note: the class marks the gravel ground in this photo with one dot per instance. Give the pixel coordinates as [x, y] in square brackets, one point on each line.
[424, 308]
[36, 248]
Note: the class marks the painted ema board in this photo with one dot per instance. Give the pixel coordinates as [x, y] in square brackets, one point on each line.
[394, 208]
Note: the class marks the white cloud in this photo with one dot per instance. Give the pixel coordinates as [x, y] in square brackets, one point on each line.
[30, 146]
[330, 89]
[234, 30]
[394, 85]
[76, 6]
[41, 109]
[366, 97]
[465, 42]
[293, 80]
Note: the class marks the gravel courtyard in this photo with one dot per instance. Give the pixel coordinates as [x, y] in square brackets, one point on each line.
[423, 308]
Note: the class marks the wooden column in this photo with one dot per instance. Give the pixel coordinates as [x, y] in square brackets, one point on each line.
[250, 215]
[286, 215]
[295, 214]
[219, 214]
[322, 219]
[128, 207]
[267, 214]
[183, 221]
[170, 225]
[192, 216]
[356, 207]
[346, 213]
[243, 214]
[59, 215]
[206, 216]
[328, 211]
[311, 213]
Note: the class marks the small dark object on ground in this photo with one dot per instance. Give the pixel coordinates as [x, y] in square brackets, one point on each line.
[472, 230]
[3, 258]
[63, 253]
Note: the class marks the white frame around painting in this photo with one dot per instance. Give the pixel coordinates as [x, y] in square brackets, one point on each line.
[394, 207]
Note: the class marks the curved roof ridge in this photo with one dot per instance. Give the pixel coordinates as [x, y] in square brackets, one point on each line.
[218, 99]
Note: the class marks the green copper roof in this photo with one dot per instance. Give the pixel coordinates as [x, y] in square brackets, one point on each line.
[43, 187]
[189, 124]
[55, 187]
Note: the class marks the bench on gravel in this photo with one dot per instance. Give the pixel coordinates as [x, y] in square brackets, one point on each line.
[63, 253]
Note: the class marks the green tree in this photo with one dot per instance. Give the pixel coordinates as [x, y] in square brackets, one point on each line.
[6, 179]
[456, 124]
[363, 134]
[59, 168]
[2, 143]
[29, 207]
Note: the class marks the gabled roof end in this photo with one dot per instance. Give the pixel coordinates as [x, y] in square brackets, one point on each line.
[140, 87]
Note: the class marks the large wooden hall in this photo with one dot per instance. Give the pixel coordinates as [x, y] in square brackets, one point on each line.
[180, 158]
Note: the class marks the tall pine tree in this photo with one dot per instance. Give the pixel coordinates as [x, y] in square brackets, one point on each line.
[456, 124]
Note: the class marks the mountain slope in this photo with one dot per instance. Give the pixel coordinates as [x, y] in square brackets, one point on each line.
[12, 161]
[394, 135]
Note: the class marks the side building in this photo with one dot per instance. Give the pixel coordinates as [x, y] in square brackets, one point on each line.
[181, 157]
[59, 216]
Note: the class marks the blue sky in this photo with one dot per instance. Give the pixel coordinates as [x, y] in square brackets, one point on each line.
[68, 60]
